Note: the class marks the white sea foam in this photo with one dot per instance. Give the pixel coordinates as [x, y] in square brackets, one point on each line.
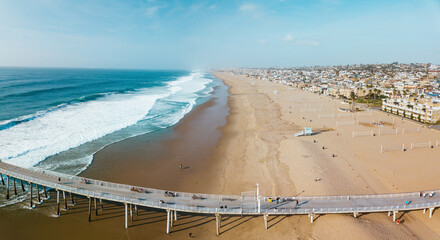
[31, 142]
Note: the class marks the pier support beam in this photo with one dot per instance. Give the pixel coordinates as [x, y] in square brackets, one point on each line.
[265, 220]
[431, 210]
[131, 213]
[136, 210]
[65, 201]
[171, 218]
[126, 215]
[394, 215]
[45, 192]
[168, 220]
[389, 213]
[175, 215]
[218, 221]
[15, 189]
[96, 208]
[22, 185]
[71, 199]
[424, 210]
[312, 217]
[102, 206]
[58, 202]
[30, 192]
[355, 214]
[7, 187]
[38, 194]
[90, 209]
[3, 180]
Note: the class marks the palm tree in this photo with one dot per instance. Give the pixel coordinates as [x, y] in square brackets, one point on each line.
[352, 96]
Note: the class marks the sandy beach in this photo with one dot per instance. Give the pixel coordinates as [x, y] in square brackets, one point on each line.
[283, 164]
[255, 144]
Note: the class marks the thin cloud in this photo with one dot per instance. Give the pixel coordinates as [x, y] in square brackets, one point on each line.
[261, 41]
[289, 39]
[251, 9]
[151, 11]
[248, 7]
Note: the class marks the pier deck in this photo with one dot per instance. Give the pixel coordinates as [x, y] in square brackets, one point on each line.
[215, 204]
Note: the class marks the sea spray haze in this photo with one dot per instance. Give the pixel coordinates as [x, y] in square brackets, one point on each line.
[58, 118]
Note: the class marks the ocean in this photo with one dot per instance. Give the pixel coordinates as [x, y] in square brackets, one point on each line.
[57, 119]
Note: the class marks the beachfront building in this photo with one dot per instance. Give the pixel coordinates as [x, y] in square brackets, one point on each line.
[423, 109]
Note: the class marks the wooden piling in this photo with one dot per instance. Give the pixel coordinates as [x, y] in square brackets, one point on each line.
[136, 210]
[171, 218]
[15, 189]
[38, 194]
[45, 192]
[126, 215]
[22, 186]
[175, 215]
[7, 187]
[265, 220]
[3, 180]
[96, 208]
[168, 221]
[58, 202]
[102, 206]
[30, 192]
[71, 199]
[65, 201]
[90, 209]
[217, 223]
[131, 212]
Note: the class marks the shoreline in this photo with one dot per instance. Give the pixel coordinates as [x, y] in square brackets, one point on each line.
[144, 160]
[150, 160]
[256, 145]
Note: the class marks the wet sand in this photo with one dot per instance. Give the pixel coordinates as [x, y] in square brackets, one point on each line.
[255, 146]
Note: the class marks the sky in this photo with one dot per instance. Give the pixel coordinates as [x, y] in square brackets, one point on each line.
[186, 34]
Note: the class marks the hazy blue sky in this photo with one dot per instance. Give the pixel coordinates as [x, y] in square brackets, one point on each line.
[158, 34]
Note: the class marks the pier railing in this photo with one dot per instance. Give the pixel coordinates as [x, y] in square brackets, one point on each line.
[183, 201]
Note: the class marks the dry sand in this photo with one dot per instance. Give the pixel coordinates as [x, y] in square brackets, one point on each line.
[265, 150]
[257, 145]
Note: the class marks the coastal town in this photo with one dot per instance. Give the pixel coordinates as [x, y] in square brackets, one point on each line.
[409, 90]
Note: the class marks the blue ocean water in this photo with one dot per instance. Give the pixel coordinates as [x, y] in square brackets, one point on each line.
[58, 118]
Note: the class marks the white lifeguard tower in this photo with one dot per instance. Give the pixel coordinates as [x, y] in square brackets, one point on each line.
[306, 132]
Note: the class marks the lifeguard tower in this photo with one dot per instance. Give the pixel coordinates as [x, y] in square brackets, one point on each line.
[306, 132]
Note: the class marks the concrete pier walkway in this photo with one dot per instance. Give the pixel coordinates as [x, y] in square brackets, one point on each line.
[218, 205]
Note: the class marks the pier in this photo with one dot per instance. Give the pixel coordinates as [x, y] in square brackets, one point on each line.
[172, 202]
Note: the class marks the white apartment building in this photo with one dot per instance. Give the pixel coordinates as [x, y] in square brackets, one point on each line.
[423, 110]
